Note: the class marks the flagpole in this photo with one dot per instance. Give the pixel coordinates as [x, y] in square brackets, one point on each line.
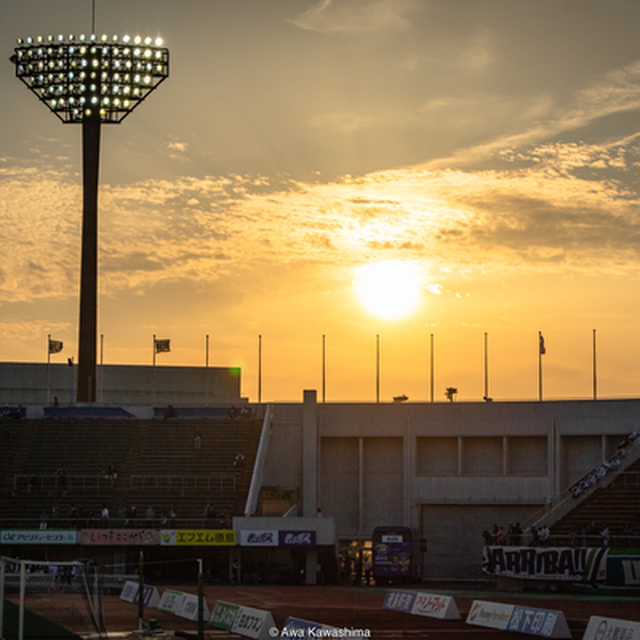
[207, 352]
[595, 376]
[486, 367]
[48, 369]
[260, 369]
[378, 367]
[539, 366]
[324, 365]
[154, 349]
[432, 367]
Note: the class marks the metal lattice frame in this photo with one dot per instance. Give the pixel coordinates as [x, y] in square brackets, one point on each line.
[76, 78]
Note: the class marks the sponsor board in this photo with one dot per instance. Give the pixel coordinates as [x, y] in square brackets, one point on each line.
[509, 617]
[623, 572]
[489, 614]
[37, 536]
[197, 537]
[259, 538]
[188, 608]
[118, 537]
[396, 600]
[297, 538]
[131, 590]
[538, 622]
[223, 615]
[253, 623]
[171, 601]
[435, 606]
[298, 628]
[611, 629]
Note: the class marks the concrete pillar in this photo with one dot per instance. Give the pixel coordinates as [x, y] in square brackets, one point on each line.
[310, 454]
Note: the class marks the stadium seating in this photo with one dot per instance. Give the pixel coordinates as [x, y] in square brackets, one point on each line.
[49, 466]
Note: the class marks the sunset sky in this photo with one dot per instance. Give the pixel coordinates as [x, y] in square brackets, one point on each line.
[487, 153]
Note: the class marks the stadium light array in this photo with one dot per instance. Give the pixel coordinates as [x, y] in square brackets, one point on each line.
[80, 77]
[90, 80]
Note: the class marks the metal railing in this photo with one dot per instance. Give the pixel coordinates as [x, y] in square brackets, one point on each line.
[185, 484]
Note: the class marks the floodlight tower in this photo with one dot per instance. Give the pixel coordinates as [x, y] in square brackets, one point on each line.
[90, 81]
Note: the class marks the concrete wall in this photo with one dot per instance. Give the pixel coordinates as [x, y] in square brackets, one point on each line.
[40, 383]
[450, 469]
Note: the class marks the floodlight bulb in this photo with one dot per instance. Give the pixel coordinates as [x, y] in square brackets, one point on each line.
[126, 39]
[137, 40]
[159, 42]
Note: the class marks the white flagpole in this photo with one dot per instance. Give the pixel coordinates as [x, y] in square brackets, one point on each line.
[324, 365]
[260, 369]
[377, 367]
[486, 367]
[432, 367]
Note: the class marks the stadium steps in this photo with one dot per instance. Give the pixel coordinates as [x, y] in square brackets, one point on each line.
[158, 449]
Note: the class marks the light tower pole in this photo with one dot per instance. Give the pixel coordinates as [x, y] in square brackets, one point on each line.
[90, 81]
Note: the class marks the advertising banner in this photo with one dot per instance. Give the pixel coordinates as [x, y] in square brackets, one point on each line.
[171, 601]
[223, 615]
[118, 537]
[298, 628]
[623, 572]
[395, 600]
[435, 606]
[131, 589]
[508, 617]
[188, 608]
[197, 537]
[297, 538]
[567, 564]
[254, 623]
[489, 614]
[610, 629]
[259, 538]
[37, 536]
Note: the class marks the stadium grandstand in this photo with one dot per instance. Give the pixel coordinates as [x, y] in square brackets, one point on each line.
[173, 461]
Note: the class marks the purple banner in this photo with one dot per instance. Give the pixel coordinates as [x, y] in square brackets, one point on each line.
[297, 538]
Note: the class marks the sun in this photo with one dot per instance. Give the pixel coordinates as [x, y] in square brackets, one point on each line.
[389, 290]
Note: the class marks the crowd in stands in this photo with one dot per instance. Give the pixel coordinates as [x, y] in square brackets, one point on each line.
[124, 516]
[591, 478]
[591, 534]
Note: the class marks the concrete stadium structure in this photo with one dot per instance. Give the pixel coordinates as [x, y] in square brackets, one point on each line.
[448, 469]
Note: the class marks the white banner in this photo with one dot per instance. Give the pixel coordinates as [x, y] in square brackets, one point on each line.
[37, 536]
[569, 564]
[435, 606]
[189, 608]
[512, 617]
[254, 623]
[259, 538]
[171, 601]
[131, 589]
[610, 628]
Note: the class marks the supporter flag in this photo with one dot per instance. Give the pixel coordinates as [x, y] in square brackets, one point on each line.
[163, 346]
[542, 347]
[55, 346]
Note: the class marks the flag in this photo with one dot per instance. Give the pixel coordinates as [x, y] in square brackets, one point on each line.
[55, 346]
[163, 346]
[542, 348]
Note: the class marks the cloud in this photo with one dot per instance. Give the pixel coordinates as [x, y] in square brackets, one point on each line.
[356, 16]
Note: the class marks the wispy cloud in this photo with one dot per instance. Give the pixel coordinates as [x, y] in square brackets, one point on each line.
[356, 16]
